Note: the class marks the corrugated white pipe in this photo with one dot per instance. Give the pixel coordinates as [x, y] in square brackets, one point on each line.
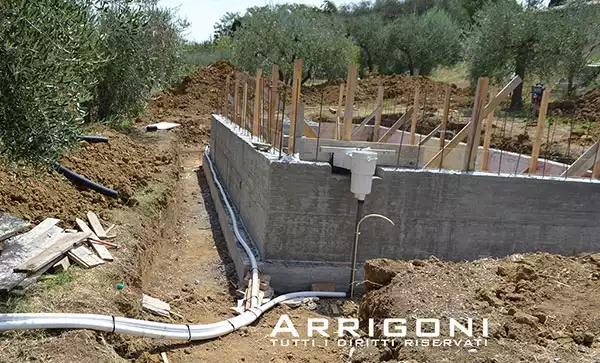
[153, 329]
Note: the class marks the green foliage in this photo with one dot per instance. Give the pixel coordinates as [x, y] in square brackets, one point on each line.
[143, 45]
[419, 44]
[514, 39]
[48, 57]
[281, 33]
[66, 61]
[208, 52]
[227, 25]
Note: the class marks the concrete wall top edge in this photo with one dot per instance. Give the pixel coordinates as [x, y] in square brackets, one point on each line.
[491, 174]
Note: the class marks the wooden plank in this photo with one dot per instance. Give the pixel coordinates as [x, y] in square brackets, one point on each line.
[156, 306]
[24, 285]
[273, 104]
[163, 355]
[539, 132]
[257, 104]
[501, 96]
[108, 230]
[415, 114]
[596, 169]
[377, 125]
[366, 121]
[338, 132]
[61, 245]
[22, 248]
[396, 125]
[430, 135]
[96, 225]
[463, 133]
[85, 257]
[62, 265]
[296, 80]
[236, 100]
[475, 129]
[445, 114]
[85, 228]
[489, 130]
[583, 164]
[308, 131]
[226, 103]
[350, 94]
[244, 121]
[101, 251]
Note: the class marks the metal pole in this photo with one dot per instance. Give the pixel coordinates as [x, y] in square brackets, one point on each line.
[359, 220]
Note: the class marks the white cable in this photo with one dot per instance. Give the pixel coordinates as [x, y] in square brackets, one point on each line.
[153, 329]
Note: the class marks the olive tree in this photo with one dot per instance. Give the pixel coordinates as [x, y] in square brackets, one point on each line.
[418, 44]
[508, 39]
[281, 33]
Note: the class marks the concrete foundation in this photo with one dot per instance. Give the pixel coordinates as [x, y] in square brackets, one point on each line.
[300, 215]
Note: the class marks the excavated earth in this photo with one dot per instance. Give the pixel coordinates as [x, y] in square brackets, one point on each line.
[541, 308]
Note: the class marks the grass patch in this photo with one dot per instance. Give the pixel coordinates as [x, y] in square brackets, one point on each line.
[60, 279]
[457, 74]
[149, 197]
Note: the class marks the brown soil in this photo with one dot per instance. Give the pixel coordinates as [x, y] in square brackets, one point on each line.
[123, 164]
[174, 250]
[400, 88]
[191, 103]
[540, 307]
[588, 107]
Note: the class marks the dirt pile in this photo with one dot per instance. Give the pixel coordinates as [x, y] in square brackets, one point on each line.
[192, 102]
[538, 306]
[124, 163]
[396, 87]
[588, 107]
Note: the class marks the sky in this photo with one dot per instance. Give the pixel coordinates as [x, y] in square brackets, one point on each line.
[203, 14]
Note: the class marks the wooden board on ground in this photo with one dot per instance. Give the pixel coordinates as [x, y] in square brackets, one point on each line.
[61, 244]
[24, 285]
[96, 226]
[156, 306]
[99, 248]
[62, 265]
[85, 257]
[22, 248]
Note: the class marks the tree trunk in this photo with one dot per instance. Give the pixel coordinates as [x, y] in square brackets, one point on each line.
[517, 96]
[570, 85]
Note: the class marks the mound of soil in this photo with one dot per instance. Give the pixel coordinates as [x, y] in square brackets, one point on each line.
[123, 164]
[588, 107]
[539, 305]
[397, 87]
[192, 102]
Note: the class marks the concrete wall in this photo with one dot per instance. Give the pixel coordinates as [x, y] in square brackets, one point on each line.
[301, 215]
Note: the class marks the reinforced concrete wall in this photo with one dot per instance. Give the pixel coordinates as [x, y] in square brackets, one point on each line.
[301, 216]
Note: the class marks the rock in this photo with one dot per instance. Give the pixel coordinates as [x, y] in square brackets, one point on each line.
[502, 271]
[541, 317]
[486, 295]
[514, 297]
[525, 272]
[472, 351]
[187, 351]
[595, 258]
[523, 318]
[418, 263]
[512, 311]
[588, 338]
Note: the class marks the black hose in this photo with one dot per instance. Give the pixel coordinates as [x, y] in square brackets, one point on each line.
[84, 181]
[94, 139]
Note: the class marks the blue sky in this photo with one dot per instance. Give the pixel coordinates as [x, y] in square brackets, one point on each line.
[203, 14]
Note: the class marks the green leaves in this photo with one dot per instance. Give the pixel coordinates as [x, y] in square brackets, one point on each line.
[281, 33]
[66, 60]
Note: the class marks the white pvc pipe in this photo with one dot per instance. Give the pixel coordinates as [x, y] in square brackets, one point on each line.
[153, 329]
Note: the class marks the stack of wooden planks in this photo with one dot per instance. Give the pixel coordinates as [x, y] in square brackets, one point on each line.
[26, 257]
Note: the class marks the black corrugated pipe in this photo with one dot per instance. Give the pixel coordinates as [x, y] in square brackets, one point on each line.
[94, 139]
[69, 174]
